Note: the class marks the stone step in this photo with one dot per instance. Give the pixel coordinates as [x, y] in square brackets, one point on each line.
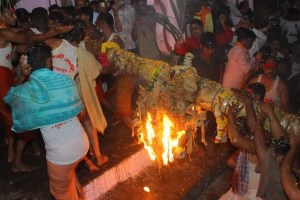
[127, 168]
[179, 180]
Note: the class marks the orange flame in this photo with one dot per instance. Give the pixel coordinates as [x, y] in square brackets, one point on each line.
[169, 139]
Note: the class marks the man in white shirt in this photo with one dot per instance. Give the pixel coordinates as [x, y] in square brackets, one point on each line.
[239, 62]
[259, 41]
[124, 16]
[52, 106]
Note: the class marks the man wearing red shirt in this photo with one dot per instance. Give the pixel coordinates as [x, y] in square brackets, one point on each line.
[192, 43]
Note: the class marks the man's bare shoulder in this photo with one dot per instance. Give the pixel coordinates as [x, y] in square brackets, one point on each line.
[3, 36]
[282, 85]
[54, 42]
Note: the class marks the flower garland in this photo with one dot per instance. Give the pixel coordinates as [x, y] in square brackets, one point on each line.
[102, 57]
[153, 77]
[108, 45]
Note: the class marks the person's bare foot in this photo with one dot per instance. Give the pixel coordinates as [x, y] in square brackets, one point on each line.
[11, 157]
[22, 168]
[102, 160]
[91, 166]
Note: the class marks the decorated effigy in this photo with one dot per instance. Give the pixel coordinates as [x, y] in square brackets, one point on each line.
[174, 103]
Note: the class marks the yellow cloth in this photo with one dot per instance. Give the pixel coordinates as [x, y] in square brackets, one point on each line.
[89, 69]
[206, 17]
[108, 45]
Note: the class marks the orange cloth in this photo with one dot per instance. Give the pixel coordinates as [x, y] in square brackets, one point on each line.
[63, 181]
[206, 17]
[124, 91]
[2, 25]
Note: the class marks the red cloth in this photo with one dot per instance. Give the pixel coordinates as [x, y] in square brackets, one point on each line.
[6, 82]
[191, 44]
[225, 37]
[99, 91]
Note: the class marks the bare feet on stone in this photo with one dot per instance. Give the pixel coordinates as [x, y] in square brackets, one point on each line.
[91, 166]
[22, 168]
[102, 160]
[11, 157]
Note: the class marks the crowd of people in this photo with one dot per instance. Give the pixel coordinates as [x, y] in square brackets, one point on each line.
[53, 81]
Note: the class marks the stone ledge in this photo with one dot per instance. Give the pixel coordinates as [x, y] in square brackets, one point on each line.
[179, 180]
[118, 173]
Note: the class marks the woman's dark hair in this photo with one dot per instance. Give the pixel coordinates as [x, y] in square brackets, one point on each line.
[37, 54]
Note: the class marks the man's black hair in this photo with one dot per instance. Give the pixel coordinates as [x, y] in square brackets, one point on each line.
[244, 33]
[144, 1]
[87, 11]
[39, 16]
[76, 33]
[70, 11]
[22, 15]
[94, 3]
[56, 16]
[53, 7]
[107, 18]
[37, 54]
[258, 89]
[196, 21]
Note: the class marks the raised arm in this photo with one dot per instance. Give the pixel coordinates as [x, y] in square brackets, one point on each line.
[284, 95]
[115, 12]
[276, 128]
[259, 137]
[287, 179]
[134, 32]
[16, 37]
[235, 138]
[250, 113]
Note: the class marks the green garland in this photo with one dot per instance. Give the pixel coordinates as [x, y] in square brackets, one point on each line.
[7, 4]
[153, 78]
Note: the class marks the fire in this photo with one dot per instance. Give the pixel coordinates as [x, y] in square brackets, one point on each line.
[165, 138]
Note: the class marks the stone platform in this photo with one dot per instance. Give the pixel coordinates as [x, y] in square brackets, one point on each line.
[180, 180]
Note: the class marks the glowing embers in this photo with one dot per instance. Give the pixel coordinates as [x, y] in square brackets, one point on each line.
[161, 139]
